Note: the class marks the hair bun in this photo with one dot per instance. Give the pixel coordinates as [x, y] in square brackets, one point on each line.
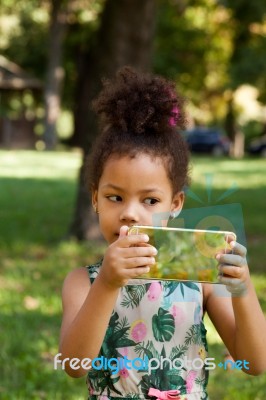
[135, 102]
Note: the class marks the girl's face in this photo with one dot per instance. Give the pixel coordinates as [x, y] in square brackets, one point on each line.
[130, 191]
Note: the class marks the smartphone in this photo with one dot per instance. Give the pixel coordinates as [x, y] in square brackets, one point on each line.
[184, 254]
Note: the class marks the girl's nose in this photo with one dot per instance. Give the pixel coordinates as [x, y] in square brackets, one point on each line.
[129, 214]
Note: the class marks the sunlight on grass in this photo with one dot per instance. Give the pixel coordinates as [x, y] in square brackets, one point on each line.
[244, 174]
[47, 165]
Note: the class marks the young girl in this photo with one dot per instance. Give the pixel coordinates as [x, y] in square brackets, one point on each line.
[138, 168]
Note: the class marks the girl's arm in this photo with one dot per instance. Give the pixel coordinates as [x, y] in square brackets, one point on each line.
[238, 316]
[86, 312]
[87, 308]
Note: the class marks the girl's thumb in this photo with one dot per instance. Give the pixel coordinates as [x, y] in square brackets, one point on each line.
[123, 231]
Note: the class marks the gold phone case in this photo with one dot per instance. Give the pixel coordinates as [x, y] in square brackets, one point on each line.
[184, 254]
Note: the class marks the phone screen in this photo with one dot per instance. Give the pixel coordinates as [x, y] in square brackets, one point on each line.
[184, 254]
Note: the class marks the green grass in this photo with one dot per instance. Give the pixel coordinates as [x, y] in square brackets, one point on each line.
[37, 194]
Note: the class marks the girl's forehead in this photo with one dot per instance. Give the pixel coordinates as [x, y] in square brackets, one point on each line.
[143, 163]
[127, 170]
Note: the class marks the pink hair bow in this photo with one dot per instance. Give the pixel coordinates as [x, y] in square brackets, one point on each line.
[173, 119]
[165, 395]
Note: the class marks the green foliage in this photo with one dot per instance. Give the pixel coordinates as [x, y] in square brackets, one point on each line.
[252, 129]
[207, 47]
[27, 44]
[248, 62]
[193, 48]
[204, 45]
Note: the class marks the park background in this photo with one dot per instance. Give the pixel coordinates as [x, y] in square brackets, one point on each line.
[53, 55]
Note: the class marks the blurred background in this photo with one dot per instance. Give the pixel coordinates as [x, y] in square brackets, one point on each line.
[53, 55]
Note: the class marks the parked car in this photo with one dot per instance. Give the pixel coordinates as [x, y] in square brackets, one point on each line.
[207, 140]
[258, 146]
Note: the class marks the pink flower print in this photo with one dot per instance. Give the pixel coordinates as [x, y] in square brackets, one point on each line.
[104, 397]
[154, 291]
[124, 373]
[190, 380]
[178, 314]
[123, 351]
[138, 331]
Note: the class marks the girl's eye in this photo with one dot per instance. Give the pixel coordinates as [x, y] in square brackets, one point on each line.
[114, 198]
[151, 201]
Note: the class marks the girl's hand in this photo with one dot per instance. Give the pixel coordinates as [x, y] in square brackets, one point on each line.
[126, 258]
[233, 269]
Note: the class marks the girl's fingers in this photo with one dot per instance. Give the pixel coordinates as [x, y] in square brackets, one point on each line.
[123, 231]
[231, 271]
[230, 238]
[135, 272]
[131, 240]
[139, 251]
[235, 286]
[237, 248]
[231, 259]
[231, 282]
[136, 262]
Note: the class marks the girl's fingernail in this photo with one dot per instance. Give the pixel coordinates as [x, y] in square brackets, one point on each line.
[155, 251]
[146, 238]
[218, 256]
[232, 244]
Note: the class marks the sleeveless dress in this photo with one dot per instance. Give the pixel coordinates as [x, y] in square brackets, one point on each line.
[155, 339]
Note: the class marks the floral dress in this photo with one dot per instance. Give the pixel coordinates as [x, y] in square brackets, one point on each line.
[155, 339]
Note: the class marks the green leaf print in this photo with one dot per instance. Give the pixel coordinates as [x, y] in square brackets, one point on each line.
[191, 285]
[119, 334]
[177, 381]
[102, 379]
[203, 335]
[147, 349]
[124, 342]
[194, 335]
[170, 286]
[163, 325]
[178, 352]
[116, 337]
[201, 382]
[163, 378]
[134, 294]
[147, 381]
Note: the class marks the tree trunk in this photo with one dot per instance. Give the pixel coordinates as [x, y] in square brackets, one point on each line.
[125, 37]
[235, 135]
[55, 73]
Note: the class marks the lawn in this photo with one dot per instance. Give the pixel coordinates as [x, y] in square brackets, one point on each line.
[37, 194]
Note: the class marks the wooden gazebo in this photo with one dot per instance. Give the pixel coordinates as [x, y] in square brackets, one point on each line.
[16, 128]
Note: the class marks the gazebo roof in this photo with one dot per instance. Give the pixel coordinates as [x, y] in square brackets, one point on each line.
[12, 77]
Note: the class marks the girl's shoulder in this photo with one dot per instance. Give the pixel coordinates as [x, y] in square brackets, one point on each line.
[78, 277]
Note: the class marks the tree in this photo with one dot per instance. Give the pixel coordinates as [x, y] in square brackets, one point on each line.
[193, 48]
[54, 76]
[247, 63]
[124, 37]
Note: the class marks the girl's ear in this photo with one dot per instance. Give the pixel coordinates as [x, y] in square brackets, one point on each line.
[178, 202]
[94, 199]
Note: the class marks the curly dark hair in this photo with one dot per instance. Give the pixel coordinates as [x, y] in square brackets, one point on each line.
[135, 111]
